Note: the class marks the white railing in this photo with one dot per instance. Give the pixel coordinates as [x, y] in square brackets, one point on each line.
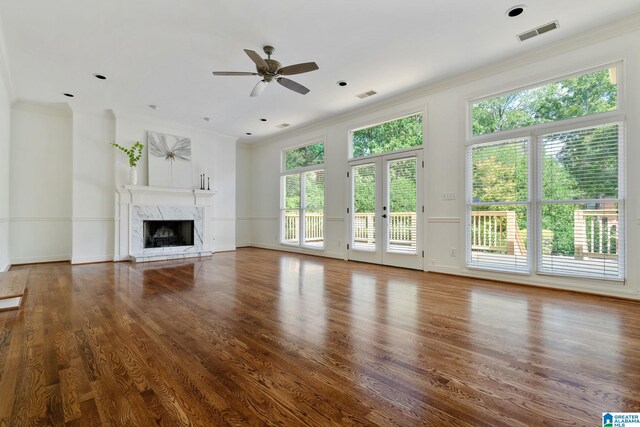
[313, 227]
[596, 233]
[402, 228]
[496, 231]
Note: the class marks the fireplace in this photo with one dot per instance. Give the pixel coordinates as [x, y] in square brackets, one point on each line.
[162, 234]
[142, 210]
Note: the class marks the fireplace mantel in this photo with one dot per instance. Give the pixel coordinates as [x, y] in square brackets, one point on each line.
[142, 194]
[134, 202]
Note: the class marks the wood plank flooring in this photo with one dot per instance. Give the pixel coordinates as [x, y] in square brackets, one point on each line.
[257, 337]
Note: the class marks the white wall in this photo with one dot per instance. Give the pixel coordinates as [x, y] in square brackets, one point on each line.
[93, 186]
[243, 195]
[40, 183]
[5, 138]
[445, 110]
[215, 152]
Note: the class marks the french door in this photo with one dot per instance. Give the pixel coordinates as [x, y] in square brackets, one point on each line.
[385, 213]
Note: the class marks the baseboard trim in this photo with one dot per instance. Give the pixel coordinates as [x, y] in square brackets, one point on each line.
[443, 269]
[4, 268]
[335, 255]
[40, 259]
[91, 259]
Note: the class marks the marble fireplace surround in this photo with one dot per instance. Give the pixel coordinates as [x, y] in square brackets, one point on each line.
[139, 203]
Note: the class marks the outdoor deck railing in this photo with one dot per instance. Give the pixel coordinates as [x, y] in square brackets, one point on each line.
[595, 231]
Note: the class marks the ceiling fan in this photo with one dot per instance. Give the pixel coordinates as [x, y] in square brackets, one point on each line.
[270, 69]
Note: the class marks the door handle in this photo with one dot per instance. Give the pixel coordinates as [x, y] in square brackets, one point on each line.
[384, 215]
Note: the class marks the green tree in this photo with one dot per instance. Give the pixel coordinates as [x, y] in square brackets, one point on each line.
[309, 155]
[394, 135]
[579, 164]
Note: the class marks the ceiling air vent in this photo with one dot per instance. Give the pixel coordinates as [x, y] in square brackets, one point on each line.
[283, 125]
[366, 94]
[537, 31]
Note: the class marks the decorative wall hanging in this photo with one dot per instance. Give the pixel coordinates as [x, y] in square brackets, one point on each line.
[169, 161]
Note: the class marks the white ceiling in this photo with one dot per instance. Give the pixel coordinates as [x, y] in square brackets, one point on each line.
[163, 51]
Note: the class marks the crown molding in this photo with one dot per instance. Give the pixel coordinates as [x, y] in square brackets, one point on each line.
[146, 119]
[415, 93]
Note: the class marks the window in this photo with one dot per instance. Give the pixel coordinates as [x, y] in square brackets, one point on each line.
[405, 132]
[308, 155]
[302, 197]
[498, 211]
[578, 209]
[583, 95]
[580, 213]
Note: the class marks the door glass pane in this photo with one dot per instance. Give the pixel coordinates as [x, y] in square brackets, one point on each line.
[402, 205]
[314, 209]
[364, 207]
[291, 211]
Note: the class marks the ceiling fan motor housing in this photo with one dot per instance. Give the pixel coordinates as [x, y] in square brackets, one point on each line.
[272, 71]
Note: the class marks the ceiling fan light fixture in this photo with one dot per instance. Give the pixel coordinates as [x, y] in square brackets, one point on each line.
[269, 70]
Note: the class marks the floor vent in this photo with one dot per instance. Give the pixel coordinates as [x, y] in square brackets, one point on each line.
[537, 31]
[366, 94]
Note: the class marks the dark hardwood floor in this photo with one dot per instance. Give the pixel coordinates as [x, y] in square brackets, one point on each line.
[259, 337]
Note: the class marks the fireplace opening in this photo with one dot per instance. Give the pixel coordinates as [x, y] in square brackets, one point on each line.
[160, 234]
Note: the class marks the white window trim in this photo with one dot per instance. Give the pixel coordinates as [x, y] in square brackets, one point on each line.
[300, 171]
[535, 203]
[621, 200]
[534, 170]
[283, 157]
[393, 118]
[470, 204]
[511, 133]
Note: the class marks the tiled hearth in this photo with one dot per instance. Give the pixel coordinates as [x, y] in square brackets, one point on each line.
[137, 204]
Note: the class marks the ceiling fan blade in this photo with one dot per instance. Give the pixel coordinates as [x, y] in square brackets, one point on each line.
[233, 73]
[290, 84]
[298, 68]
[258, 88]
[256, 58]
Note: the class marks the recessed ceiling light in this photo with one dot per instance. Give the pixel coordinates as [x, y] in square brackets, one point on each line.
[514, 11]
[69, 95]
[154, 107]
[206, 119]
[263, 120]
[342, 83]
[249, 133]
[99, 76]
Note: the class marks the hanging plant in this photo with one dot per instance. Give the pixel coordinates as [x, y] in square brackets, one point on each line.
[134, 152]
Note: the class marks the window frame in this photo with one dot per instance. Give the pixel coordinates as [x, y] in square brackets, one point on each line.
[535, 189]
[283, 157]
[621, 200]
[301, 173]
[529, 204]
[399, 116]
[512, 133]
